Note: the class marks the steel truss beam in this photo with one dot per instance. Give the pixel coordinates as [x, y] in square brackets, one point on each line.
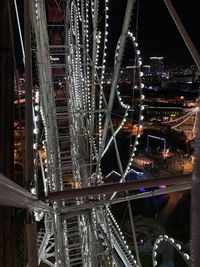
[14, 195]
[123, 36]
[195, 229]
[192, 49]
[82, 208]
[117, 187]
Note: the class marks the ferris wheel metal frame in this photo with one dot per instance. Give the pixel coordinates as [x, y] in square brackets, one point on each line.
[54, 223]
[81, 106]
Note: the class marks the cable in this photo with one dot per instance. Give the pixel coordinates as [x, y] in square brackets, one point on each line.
[20, 32]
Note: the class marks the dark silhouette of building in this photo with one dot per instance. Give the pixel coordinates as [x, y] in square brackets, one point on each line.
[156, 66]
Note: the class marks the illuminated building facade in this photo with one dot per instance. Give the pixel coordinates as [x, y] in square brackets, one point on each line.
[156, 66]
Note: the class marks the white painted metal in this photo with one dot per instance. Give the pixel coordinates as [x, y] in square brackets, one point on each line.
[69, 113]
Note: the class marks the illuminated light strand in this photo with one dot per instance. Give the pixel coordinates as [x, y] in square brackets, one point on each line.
[48, 170]
[36, 9]
[93, 145]
[102, 76]
[95, 148]
[178, 119]
[87, 54]
[75, 77]
[36, 149]
[73, 63]
[36, 120]
[127, 107]
[95, 53]
[77, 65]
[123, 105]
[141, 106]
[79, 70]
[179, 124]
[111, 217]
[39, 108]
[115, 133]
[103, 98]
[47, 175]
[100, 116]
[195, 123]
[72, 18]
[92, 8]
[171, 241]
[98, 41]
[117, 52]
[78, 10]
[84, 62]
[100, 175]
[73, 130]
[100, 85]
[98, 49]
[81, 89]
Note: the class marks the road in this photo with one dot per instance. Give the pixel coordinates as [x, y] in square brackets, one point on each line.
[156, 167]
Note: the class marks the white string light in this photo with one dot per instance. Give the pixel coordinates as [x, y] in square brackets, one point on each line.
[127, 107]
[171, 241]
[119, 231]
[102, 77]
[141, 106]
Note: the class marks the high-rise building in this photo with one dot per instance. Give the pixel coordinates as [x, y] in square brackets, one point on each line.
[156, 66]
[146, 70]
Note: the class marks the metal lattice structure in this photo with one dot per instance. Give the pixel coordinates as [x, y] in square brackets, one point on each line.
[76, 115]
[73, 129]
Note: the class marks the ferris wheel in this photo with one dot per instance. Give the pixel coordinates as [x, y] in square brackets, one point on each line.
[74, 113]
[74, 127]
[79, 101]
[76, 110]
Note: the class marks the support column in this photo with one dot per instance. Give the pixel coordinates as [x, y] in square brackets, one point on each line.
[29, 173]
[7, 227]
[195, 197]
[32, 244]
[134, 233]
[31, 227]
[195, 211]
[192, 49]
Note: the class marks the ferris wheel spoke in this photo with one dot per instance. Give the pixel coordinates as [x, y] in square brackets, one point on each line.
[117, 68]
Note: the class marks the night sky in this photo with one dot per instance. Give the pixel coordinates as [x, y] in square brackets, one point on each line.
[157, 33]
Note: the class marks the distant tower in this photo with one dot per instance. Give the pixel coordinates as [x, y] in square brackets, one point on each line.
[146, 70]
[156, 66]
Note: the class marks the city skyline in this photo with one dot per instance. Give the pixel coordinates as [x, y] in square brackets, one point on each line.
[161, 36]
[157, 33]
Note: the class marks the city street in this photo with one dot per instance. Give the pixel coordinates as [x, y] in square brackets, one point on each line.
[156, 167]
